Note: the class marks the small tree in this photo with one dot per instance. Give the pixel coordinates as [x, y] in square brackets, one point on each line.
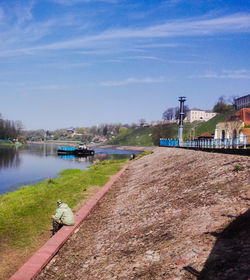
[80, 130]
[173, 113]
[123, 129]
[169, 114]
[221, 106]
[177, 112]
[142, 122]
[105, 131]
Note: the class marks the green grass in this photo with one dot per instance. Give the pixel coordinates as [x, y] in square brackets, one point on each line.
[25, 213]
[6, 143]
[210, 125]
[238, 168]
[144, 154]
[171, 130]
[148, 136]
[141, 136]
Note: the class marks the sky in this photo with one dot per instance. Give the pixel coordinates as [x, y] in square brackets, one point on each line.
[79, 63]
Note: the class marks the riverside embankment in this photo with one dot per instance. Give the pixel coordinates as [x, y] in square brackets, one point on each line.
[174, 214]
[25, 214]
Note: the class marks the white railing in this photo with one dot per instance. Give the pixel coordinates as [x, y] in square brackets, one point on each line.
[226, 143]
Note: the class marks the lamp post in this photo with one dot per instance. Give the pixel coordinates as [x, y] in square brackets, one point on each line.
[182, 99]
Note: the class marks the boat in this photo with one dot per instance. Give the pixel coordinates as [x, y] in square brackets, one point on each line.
[81, 150]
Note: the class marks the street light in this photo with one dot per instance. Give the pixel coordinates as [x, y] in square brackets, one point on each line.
[182, 99]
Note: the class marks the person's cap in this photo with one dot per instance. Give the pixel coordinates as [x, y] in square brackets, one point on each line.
[59, 201]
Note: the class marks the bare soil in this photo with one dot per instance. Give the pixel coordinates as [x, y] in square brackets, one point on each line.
[174, 214]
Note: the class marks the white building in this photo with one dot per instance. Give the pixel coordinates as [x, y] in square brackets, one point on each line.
[199, 115]
[242, 102]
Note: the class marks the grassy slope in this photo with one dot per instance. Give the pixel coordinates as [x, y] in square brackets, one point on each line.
[203, 127]
[141, 136]
[144, 135]
[25, 213]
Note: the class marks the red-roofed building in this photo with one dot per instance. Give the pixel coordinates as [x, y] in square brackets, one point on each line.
[237, 125]
[205, 136]
[241, 115]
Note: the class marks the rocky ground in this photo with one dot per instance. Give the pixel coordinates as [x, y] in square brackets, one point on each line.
[129, 148]
[174, 214]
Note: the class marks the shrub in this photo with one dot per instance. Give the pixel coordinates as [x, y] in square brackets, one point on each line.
[238, 168]
[144, 154]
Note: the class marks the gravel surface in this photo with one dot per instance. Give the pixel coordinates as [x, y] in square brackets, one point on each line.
[174, 214]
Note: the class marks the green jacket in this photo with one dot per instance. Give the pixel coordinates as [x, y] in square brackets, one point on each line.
[64, 215]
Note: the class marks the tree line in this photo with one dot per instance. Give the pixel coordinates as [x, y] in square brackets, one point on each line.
[221, 106]
[85, 134]
[10, 129]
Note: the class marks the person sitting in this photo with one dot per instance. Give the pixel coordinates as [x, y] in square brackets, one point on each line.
[63, 216]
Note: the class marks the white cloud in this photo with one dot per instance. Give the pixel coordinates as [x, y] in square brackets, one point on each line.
[64, 65]
[52, 87]
[114, 39]
[24, 12]
[158, 45]
[133, 81]
[238, 23]
[143, 57]
[74, 2]
[225, 74]
[26, 34]
[189, 62]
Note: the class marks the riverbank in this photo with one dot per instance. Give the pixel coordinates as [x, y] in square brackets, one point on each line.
[174, 214]
[99, 145]
[24, 214]
[6, 143]
[129, 148]
[10, 143]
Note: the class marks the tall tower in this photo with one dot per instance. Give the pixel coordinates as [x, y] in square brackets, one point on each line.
[182, 99]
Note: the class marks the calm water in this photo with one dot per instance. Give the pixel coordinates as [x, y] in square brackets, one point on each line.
[35, 163]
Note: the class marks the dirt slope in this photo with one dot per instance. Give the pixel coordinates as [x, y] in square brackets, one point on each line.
[174, 214]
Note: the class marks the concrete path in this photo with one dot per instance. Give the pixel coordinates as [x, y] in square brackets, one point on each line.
[39, 260]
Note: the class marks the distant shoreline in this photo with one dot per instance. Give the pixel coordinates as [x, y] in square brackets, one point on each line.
[99, 145]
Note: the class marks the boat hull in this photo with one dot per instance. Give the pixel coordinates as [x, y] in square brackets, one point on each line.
[76, 152]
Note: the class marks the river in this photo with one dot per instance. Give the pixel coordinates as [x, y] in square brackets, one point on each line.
[34, 163]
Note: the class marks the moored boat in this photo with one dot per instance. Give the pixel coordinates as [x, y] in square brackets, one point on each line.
[82, 150]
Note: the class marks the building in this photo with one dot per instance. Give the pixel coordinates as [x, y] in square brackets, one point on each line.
[236, 126]
[198, 115]
[242, 102]
[205, 136]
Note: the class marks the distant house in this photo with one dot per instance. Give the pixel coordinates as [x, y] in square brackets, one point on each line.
[70, 131]
[199, 115]
[73, 132]
[205, 136]
[237, 125]
[99, 139]
[242, 102]
[103, 139]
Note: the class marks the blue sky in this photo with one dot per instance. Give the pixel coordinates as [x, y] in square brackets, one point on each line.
[77, 63]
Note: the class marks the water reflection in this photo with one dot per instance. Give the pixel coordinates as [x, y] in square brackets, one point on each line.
[94, 158]
[12, 156]
[9, 157]
[86, 159]
[40, 149]
[34, 163]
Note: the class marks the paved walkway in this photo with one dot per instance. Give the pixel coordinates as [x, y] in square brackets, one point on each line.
[35, 264]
